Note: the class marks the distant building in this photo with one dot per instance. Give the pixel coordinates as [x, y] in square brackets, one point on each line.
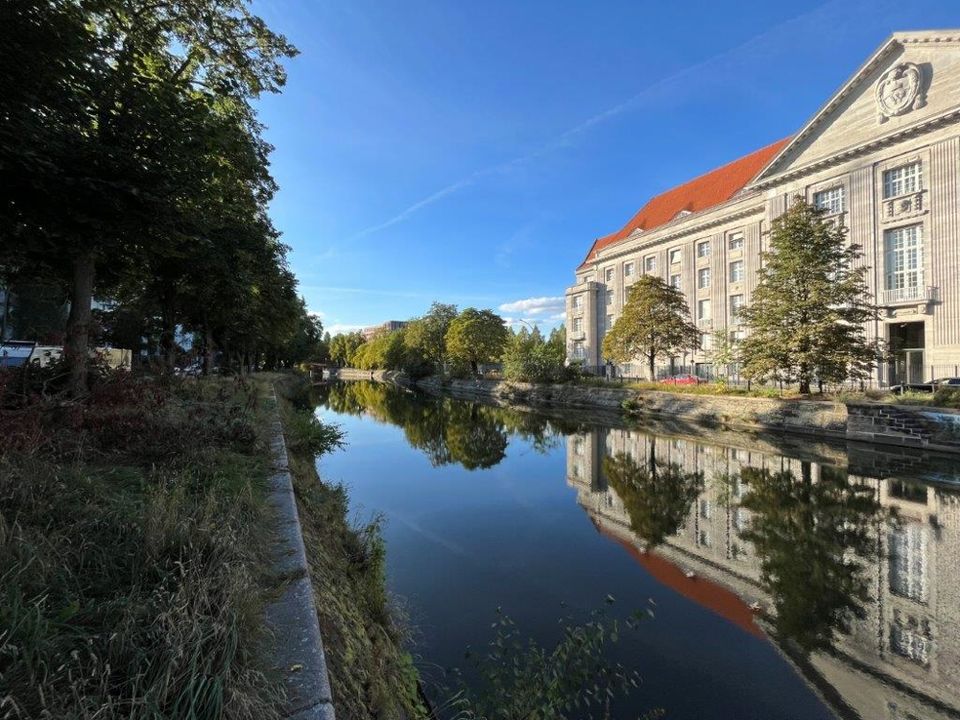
[882, 157]
[389, 326]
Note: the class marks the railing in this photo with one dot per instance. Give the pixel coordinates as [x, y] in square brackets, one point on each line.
[916, 293]
[704, 322]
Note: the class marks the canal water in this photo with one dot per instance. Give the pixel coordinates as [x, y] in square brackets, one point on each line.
[787, 578]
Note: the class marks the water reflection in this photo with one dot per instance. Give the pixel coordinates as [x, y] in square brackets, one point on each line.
[846, 557]
[855, 576]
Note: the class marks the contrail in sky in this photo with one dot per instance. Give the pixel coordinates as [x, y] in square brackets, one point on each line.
[565, 139]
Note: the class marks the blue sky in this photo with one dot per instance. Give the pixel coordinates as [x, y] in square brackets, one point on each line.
[470, 152]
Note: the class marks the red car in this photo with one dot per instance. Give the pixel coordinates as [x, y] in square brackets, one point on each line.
[682, 379]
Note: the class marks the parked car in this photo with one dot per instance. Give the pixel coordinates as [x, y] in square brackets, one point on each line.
[681, 379]
[926, 387]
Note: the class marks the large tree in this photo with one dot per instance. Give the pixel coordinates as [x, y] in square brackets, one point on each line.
[476, 336]
[807, 319]
[427, 335]
[655, 323]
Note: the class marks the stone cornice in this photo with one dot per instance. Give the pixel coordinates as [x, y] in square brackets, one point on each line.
[861, 149]
[686, 225]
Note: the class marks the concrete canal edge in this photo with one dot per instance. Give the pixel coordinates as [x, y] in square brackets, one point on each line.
[904, 426]
[295, 648]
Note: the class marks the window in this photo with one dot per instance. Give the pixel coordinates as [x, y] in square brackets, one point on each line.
[609, 297]
[704, 538]
[706, 342]
[578, 324]
[703, 249]
[736, 303]
[909, 640]
[608, 274]
[650, 263]
[703, 278]
[705, 510]
[578, 352]
[609, 322]
[578, 446]
[675, 281]
[736, 271]
[675, 256]
[908, 562]
[902, 180]
[735, 241]
[831, 201]
[703, 310]
[904, 257]
[577, 302]
[628, 269]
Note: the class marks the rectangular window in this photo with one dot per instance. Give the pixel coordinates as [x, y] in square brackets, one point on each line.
[577, 302]
[578, 324]
[628, 269]
[705, 509]
[703, 310]
[735, 241]
[706, 342]
[902, 180]
[650, 263]
[609, 322]
[675, 281]
[904, 257]
[908, 562]
[675, 256]
[578, 351]
[736, 303]
[703, 249]
[830, 201]
[703, 278]
[609, 297]
[910, 643]
[608, 274]
[736, 271]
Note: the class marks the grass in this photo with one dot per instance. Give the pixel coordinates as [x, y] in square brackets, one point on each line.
[131, 529]
[371, 674]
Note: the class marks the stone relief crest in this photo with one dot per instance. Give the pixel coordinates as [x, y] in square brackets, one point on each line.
[899, 91]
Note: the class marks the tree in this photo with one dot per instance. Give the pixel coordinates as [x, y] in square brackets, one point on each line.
[656, 495]
[655, 323]
[343, 346]
[725, 352]
[815, 540]
[476, 336]
[427, 335]
[530, 358]
[807, 319]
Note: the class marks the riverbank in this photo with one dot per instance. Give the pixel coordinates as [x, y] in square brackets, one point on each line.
[859, 420]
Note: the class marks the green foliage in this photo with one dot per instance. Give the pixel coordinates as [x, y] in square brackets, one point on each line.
[655, 323]
[808, 313]
[725, 352]
[656, 495]
[308, 434]
[528, 357]
[130, 587]
[139, 118]
[476, 336]
[522, 680]
[343, 346]
[426, 336]
[815, 540]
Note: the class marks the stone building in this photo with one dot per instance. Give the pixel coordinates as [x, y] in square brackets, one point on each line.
[901, 660]
[882, 157]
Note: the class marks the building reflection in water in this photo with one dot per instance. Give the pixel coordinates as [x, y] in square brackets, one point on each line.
[848, 561]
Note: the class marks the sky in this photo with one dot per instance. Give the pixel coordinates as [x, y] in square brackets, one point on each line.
[470, 152]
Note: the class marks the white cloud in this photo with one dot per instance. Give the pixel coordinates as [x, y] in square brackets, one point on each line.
[538, 307]
[342, 328]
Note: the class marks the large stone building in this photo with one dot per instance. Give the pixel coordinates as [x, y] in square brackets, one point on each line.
[882, 156]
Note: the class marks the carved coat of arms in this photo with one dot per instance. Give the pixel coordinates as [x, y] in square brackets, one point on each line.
[899, 91]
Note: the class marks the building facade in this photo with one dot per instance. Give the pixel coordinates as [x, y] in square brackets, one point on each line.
[388, 327]
[882, 157]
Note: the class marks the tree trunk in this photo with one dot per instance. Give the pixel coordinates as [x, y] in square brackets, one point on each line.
[207, 349]
[76, 347]
[652, 359]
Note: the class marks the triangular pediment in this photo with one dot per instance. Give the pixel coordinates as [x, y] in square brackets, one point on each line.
[912, 79]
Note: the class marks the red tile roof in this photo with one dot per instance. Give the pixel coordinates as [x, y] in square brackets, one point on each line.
[706, 191]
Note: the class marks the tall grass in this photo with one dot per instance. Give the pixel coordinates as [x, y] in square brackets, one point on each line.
[130, 536]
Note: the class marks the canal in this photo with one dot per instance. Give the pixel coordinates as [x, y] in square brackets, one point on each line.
[787, 578]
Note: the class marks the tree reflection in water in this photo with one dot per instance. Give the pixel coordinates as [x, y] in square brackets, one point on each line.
[656, 495]
[445, 430]
[814, 540]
